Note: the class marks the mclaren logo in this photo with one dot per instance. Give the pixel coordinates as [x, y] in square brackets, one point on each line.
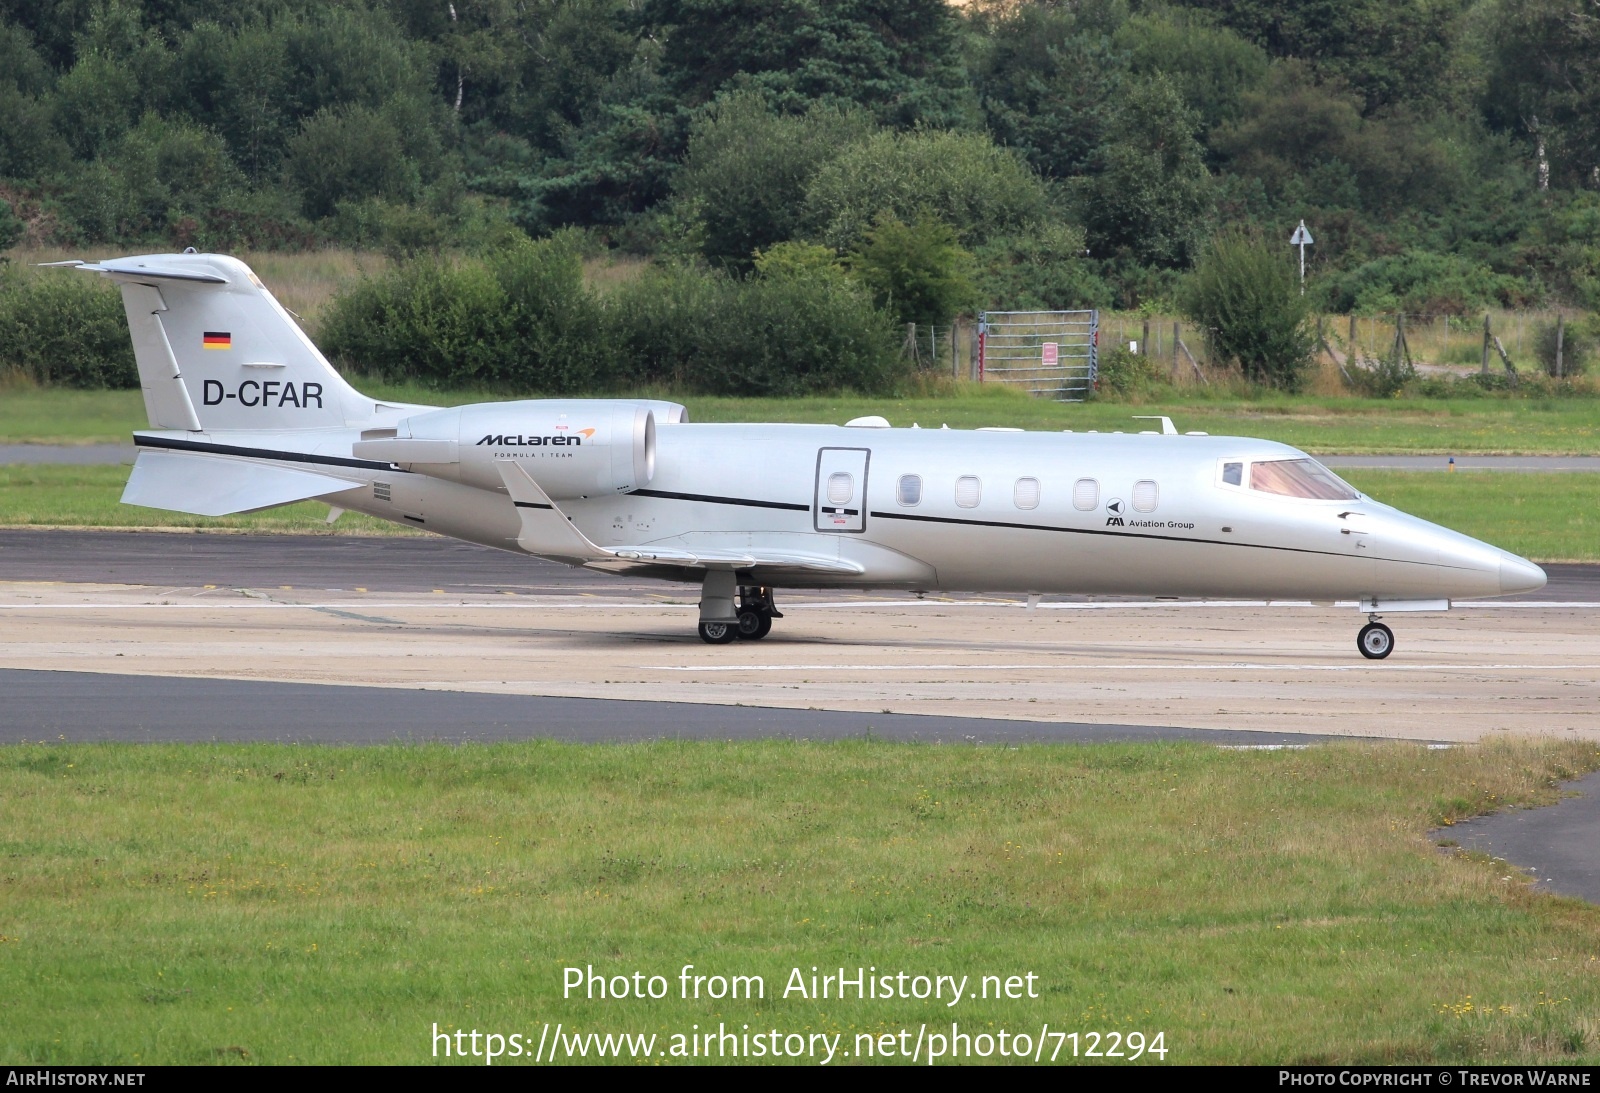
[517, 440]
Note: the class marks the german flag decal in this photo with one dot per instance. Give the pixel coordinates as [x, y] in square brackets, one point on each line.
[214, 339]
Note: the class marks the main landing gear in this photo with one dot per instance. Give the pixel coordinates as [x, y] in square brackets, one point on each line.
[722, 622]
[1376, 640]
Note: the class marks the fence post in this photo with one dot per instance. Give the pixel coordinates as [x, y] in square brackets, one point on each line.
[1177, 338]
[1486, 336]
[1144, 340]
[1561, 337]
[1350, 347]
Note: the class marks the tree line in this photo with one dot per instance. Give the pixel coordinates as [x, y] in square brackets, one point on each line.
[934, 158]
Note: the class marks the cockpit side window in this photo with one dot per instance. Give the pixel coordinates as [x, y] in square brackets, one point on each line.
[1299, 478]
[1233, 474]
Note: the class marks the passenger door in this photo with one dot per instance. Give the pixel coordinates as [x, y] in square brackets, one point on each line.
[840, 502]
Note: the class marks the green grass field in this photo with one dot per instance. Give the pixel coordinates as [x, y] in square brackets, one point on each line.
[61, 495]
[273, 904]
[1546, 517]
[1315, 423]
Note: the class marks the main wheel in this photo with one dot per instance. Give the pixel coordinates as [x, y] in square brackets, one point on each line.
[1375, 641]
[754, 625]
[718, 633]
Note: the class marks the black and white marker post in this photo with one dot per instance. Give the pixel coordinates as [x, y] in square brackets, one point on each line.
[1302, 239]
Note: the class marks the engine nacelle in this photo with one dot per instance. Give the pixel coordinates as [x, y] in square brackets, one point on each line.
[572, 447]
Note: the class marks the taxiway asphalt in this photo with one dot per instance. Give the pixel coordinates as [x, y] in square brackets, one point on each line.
[1556, 845]
[47, 706]
[414, 615]
[189, 559]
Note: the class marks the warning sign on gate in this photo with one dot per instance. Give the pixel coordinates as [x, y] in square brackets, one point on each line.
[1049, 354]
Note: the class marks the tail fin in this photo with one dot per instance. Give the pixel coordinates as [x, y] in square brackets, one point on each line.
[217, 352]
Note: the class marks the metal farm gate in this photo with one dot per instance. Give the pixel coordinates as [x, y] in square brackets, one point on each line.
[1053, 354]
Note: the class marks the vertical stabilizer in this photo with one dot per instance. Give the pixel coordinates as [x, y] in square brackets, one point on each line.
[216, 351]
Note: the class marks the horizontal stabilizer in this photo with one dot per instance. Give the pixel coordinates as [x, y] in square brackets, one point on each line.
[138, 271]
[546, 531]
[209, 486]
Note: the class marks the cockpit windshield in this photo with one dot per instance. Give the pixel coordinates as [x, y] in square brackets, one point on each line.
[1299, 478]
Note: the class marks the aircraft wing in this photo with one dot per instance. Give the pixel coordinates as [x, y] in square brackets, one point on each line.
[549, 533]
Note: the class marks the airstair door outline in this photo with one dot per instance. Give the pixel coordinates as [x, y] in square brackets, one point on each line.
[840, 503]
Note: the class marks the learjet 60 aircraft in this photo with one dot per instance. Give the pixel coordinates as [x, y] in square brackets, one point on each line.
[246, 414]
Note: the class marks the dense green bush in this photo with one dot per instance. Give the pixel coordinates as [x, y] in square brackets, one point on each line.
[747, 170]
[1577, 345]
[1152, 197]
[764, 336]
[1422, 283]
[153, 176]
[1245, 295]
[1123, 374]
[1386, 376]
[65, 328]
[917, 271]
[964, 179]
[522, 319]
[1042, 270]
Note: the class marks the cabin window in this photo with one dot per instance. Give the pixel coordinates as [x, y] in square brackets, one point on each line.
[1086, 495]
[1146, 495]
[969, 491]
[909, 492]
[1027, 493]
[841, 487]
[1233, 474]
[1299, 478]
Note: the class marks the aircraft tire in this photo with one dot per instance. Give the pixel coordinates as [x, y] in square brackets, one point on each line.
[718, 633]
[754, 625]
[1375, 641]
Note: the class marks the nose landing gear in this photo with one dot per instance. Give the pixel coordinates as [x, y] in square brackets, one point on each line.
[1375, 640]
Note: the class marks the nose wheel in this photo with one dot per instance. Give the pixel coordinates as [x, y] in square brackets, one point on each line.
[1375, 641]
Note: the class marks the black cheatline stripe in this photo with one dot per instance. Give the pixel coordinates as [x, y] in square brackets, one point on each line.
[260, 453]
[709, 499]
[1122, 535]
[531, 505]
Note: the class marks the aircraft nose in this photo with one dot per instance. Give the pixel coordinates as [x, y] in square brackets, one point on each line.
[1520, 575]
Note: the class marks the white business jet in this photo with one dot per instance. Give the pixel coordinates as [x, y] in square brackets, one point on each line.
[246, 414]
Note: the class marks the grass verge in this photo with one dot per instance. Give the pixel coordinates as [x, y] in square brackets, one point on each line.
[1546, 517]
[1317, 424]
[274, 904]
[59, 495]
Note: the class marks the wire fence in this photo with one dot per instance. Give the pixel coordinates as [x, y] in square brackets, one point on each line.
[1452, 343]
